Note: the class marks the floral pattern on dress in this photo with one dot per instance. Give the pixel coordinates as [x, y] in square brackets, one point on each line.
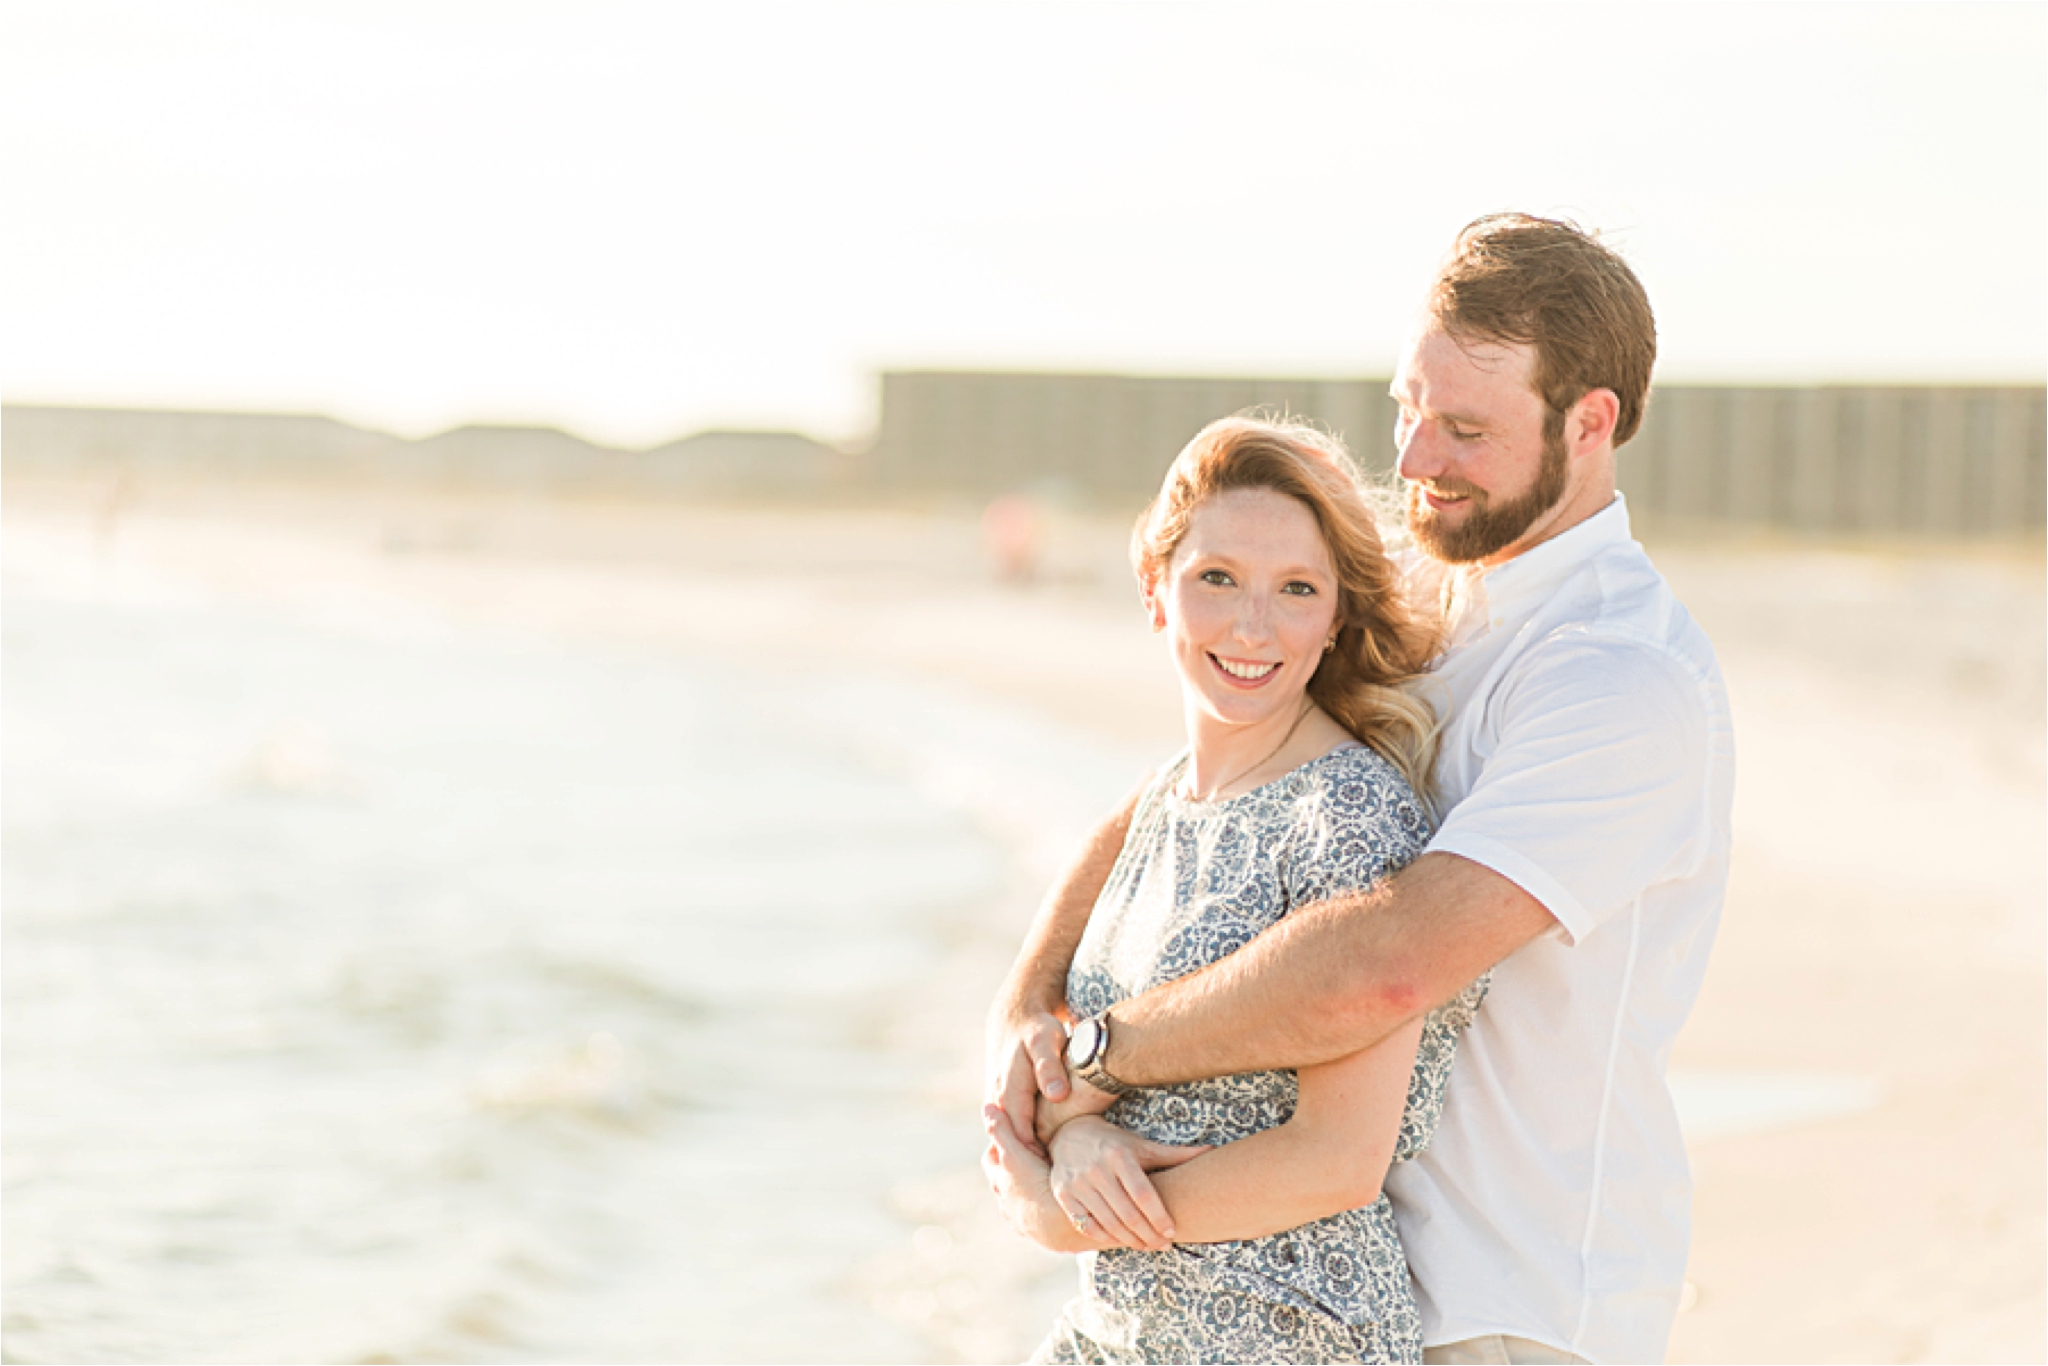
[1197, 881]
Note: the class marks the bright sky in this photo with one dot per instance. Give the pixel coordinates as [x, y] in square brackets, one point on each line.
[640, 220]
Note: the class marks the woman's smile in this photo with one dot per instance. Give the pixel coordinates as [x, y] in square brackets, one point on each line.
[1246, 673]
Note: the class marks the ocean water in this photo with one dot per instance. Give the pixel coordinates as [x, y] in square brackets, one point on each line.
[381, 989]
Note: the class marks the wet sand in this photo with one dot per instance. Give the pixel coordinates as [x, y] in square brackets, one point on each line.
[1868, 1055]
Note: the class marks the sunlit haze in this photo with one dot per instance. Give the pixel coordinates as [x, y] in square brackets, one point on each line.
[639, 221]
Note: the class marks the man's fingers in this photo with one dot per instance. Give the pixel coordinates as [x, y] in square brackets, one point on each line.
[1022, 1100]
[1012, 1149]
[1048, 1065]
[1019, 1100]
[1001, 1135]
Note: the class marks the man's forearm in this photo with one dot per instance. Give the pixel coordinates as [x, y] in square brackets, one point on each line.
[1330, 979]
[1026, 1038]
[1038, 980]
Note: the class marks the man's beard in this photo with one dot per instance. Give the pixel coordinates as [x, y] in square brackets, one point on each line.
[1487, 529]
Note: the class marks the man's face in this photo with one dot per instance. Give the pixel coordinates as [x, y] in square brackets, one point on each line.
[1482, 476]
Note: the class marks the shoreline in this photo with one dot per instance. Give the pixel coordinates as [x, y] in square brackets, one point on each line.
[1883, 922]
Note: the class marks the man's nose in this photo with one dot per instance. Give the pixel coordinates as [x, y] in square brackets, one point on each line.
[1421, 456]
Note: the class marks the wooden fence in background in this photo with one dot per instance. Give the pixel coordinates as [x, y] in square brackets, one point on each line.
[1895, 461]
[1936, 461]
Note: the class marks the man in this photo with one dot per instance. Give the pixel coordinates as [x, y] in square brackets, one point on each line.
[1585, 772]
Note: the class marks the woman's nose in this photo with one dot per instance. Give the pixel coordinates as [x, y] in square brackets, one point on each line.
[1254, 621]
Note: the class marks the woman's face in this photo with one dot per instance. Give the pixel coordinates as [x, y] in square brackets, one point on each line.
[1247, 602]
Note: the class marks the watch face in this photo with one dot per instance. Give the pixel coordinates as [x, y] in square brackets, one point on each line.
[1081, 1044]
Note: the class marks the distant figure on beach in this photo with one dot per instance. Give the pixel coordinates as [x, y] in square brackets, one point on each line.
[1010, 535]
[1260, 562]
[107, 516]
[1585, 772]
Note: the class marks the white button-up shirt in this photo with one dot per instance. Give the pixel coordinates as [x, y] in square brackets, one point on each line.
[1587, 758]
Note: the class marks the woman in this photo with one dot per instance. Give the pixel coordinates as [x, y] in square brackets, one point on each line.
[1261, 563]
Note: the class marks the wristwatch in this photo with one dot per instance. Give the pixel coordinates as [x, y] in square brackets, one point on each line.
[1087, 1051]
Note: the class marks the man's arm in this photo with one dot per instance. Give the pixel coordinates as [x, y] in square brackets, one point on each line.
[1026, 1029]
[1329, 980]
[1597, 788]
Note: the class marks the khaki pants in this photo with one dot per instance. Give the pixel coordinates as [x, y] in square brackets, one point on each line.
[1497, 1350]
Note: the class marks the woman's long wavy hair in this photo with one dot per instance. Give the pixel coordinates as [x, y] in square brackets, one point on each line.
[1384, 644]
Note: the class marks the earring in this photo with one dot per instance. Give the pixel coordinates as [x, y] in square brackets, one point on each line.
[1329, 644]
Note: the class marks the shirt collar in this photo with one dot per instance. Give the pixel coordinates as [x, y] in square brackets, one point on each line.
[1513, 589]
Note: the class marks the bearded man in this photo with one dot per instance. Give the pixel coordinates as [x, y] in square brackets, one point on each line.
[1585, 773]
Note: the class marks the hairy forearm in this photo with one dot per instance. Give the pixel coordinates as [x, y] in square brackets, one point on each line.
[1312, 988]
[1037, 983]
[1329, 980]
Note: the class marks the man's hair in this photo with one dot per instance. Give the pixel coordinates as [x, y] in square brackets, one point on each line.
[1550, 285]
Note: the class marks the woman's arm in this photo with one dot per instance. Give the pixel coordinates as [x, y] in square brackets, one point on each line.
[1021, 1181]
[1331, 1156]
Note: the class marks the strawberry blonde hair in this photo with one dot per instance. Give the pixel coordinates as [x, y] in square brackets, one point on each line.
[1383, 643]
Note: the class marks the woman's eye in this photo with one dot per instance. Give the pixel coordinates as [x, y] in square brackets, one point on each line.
[1216, 577]
[1462, 434]
[1300, 589]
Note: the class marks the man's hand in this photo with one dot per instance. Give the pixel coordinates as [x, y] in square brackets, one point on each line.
[1085, 1100]
[1100, 1170]
[1026, 1060]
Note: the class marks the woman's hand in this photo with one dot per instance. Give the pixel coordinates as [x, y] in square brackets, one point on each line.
[1022, 1181]
[1099, 1175]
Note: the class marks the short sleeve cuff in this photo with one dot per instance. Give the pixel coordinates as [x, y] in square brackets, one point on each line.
[1572, 918]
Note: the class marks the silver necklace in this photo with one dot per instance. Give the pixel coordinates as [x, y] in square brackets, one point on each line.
[1307, 705]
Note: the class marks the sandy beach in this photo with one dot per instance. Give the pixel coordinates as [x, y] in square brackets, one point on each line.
[1867, 1061]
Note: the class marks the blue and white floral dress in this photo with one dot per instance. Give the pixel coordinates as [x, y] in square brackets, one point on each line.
[1197, 881]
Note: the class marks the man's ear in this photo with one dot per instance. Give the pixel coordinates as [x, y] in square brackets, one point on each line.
[1591, 422]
